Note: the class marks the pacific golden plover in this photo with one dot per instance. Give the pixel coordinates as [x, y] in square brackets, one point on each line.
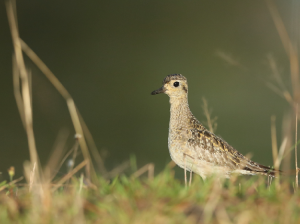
[193, 147]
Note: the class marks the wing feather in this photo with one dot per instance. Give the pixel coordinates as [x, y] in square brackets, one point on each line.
[212, 149]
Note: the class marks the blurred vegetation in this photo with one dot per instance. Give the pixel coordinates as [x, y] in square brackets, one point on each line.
[162, 199]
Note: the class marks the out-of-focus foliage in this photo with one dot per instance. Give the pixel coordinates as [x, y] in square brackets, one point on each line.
[161, 200]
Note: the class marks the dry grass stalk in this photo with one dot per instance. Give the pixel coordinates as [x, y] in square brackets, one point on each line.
[70, 174]
[281, 153]
[287, 128]
[229, 59]
[70, 103]
[292, 53]
[211, 123]
[296, 160]
[11, 183]
[274, 151]
[32, 176]
[287, 132]
[281, 90]
[40, 182]
[288, 46]
[119, 169]
[74, 153]
[17, 93]
[279, 25]
[92, 147]
[274, 139]
[25, 88]
[147, 168]
[52, 167]
[64, 159]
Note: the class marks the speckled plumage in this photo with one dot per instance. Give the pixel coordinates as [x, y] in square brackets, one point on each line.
[193, 147]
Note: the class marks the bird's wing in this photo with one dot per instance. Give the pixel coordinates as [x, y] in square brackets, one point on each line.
[215, 150]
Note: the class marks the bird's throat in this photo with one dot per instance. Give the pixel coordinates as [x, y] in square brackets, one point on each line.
[180, 113]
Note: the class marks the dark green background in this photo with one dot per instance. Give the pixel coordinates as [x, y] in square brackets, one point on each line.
[111, 54]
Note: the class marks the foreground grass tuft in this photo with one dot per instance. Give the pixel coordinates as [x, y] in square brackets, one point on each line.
[161, 200]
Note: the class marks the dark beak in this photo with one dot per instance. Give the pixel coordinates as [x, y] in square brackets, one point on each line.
[160, 90]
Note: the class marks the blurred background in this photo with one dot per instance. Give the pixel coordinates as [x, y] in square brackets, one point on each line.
[110, 55]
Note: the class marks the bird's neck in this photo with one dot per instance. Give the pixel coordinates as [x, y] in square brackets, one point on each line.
[180, 113]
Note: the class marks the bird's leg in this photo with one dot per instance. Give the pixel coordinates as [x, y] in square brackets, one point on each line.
[184, 159]
[191, 176]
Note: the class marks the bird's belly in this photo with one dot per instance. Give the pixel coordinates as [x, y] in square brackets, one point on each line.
[182, 156]
[188, 159]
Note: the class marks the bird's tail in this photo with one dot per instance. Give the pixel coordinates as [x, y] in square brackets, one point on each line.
[257, 168]
[270, 171]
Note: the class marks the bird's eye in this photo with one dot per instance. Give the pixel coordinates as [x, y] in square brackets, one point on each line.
[176, 84]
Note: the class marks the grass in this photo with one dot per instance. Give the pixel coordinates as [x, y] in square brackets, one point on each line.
[164, 199]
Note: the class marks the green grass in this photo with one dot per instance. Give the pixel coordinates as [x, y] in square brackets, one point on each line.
[161, 200]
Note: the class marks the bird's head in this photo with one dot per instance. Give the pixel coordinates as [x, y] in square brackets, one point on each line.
[175, 86]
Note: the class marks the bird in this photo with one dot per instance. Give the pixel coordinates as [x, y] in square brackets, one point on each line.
[193, 147]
